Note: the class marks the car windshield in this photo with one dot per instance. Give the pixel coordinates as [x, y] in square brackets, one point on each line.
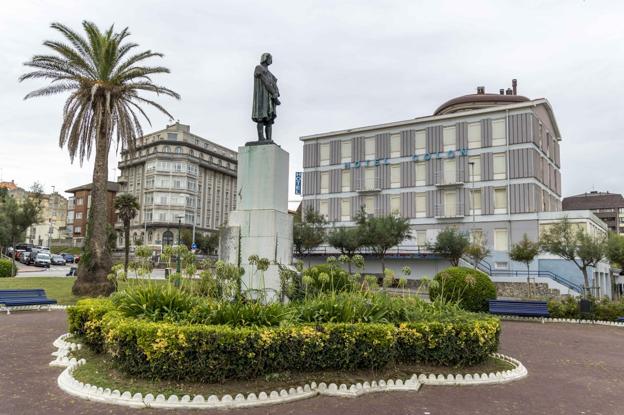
[43, 256]
[57, 257]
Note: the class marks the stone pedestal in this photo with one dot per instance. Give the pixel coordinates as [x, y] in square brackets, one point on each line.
[260, 225]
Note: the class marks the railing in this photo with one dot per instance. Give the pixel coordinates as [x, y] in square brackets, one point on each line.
[367, 185]
[396, 252]
[485, 267]
[442, 211]
[448, 177]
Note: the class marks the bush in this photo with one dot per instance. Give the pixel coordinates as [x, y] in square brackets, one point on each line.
[85, 320]
[604, 309]
[470, 288]
[155, 302]
[326, 278]
[238, 314]
[6, 268]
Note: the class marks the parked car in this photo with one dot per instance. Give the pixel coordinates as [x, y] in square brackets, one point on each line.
[18, 254]
[69, 258]
[24, 257]
[42, 260]
[57, 260]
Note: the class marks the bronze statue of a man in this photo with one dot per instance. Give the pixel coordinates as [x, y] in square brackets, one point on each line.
[265, 97]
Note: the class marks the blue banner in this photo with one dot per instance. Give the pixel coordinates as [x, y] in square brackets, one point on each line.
[298, 183]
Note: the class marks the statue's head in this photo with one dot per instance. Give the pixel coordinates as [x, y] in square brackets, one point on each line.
[266, 58]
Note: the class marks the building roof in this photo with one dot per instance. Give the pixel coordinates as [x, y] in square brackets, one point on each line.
[8, 185]
[110, 186]
[593, 200]
[475, 101]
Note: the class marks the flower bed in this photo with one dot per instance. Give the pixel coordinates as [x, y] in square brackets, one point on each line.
[212, 353]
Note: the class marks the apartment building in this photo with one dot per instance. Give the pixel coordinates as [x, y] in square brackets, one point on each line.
[607, 206]
[178, 178]
[486, 163]
[78, 207]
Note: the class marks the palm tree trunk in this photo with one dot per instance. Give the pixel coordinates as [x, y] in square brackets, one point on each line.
[126, 245]
[96, 261]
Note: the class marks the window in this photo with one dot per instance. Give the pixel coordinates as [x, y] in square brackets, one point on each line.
[149, 183]
[369, 148]
[475, 202]
[77, 229]
[325, 182]
[395, 205]
[500, 240]
[395, 176]
[345, 151]
[324, 208]
[369, 205]
[177, 184]
[149, 199]
[79, 201]
[172, 136]
[474, 135]
[345, 209]
[346, 180]
[450, 204]
[78, 215]
[450, 171]
[167, 149]
[421, 205]
[178, 150]
[474, 169]
[324, 154]
[500, 167]
[369, 178]
[498, 132]
[421, 173]
[147, 216]
[421, 239]
[476, 236]
[500, 200]
[395, 145]
[449, 138]
[421, 142]
[178, 167]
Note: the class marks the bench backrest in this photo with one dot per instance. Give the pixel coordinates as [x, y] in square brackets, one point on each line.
[519, 307]
[37, 292]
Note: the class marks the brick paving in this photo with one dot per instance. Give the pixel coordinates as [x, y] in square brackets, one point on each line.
[572, 370]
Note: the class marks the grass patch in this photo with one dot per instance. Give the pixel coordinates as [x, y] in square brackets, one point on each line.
[100, 370]
[57, 288]
[74, 250]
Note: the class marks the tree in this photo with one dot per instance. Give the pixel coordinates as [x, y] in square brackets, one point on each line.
[615, 249]
[16, 217]
[451, 244]
[103, 77]
[346, 240]
[186, 238]
[525, 251]
[309, 233]
[477, 251]
[127, 207]
[382, 233]
[210, 243]
[576, 245]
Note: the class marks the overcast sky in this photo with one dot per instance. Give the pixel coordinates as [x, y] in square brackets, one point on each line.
[339, 65]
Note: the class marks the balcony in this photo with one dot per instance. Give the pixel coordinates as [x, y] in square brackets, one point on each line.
[453, 211]
[448, 178]
[367, 185]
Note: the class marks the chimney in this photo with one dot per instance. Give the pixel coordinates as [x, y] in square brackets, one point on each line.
[509, 91]
[480, 90]
[514, 85]
[501, 91]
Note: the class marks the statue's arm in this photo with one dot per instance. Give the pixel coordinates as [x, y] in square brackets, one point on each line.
[269, 84]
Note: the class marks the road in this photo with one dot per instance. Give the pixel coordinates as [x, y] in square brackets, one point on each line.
[62, 271]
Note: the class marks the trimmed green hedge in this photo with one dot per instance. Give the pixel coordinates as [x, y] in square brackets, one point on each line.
[214, 353]
[6, 268]
[468, 287]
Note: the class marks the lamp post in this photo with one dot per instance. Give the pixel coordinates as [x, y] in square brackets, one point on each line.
[178, 254]
[471, 164]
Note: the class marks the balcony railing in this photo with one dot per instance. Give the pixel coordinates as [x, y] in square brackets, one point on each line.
[367, 185]
[444, 211]
[448, 177]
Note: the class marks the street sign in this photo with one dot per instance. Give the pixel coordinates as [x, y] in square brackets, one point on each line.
[194, 246]
[298, 183]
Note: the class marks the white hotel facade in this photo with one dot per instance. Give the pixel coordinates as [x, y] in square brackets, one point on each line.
[486, 163]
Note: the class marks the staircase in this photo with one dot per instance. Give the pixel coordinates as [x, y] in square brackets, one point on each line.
[486, 268]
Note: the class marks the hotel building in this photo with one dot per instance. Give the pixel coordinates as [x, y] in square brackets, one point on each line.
[486, 163]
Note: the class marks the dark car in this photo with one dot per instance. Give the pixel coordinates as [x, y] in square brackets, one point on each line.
[42, 260]
[57, 260]
[69, 258]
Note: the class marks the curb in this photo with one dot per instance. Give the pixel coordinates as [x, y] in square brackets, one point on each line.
[49, 307]
[72, 386]
[561, 320]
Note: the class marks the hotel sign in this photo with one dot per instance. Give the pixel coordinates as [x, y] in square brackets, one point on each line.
[425, 157]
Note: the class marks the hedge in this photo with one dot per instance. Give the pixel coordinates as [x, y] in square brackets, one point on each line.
[6, 268]
[468, 287]
[214, 353]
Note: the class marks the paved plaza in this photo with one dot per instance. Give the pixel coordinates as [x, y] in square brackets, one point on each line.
[572, 370]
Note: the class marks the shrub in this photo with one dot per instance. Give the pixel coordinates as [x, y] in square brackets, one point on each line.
[326, 278]
[155, 302]
[604, 309]
[470, 288]
[6, 268]
[85, 320]
[238, 314]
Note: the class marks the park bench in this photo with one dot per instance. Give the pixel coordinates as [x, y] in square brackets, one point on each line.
[519, 308]
[21, 298]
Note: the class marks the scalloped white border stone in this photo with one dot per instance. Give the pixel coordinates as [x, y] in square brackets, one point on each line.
[48, 307]
[72, 386]
[560, 320]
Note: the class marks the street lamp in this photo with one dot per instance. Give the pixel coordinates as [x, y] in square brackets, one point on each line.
[178, 255]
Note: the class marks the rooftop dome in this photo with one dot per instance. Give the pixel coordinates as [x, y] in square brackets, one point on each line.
[481, 100]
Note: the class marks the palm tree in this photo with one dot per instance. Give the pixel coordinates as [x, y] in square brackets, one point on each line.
[127, 207]
[103, 76]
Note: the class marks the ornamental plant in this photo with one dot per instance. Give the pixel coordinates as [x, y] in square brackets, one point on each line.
[469, 288]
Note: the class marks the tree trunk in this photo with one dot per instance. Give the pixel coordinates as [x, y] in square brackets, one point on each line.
[126, 245]
[586, 282]
[13, 264]
[383, 263]
[96, 262]
[528, 281]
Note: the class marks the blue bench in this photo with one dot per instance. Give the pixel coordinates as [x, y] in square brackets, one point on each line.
[18, 298]
[519, 308]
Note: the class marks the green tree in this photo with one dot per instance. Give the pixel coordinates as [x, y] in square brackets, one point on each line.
[574, 244]
[127, 207]
[382, 233]
[451, 244]
[16, 216]
[309, 233]
[210, 243]
[346, 240]
[615, 249]
[525, 251]
[104, 76]
[477, 251]
[186, 238]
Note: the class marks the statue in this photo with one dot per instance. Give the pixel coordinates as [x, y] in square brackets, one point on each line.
[265, 97]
